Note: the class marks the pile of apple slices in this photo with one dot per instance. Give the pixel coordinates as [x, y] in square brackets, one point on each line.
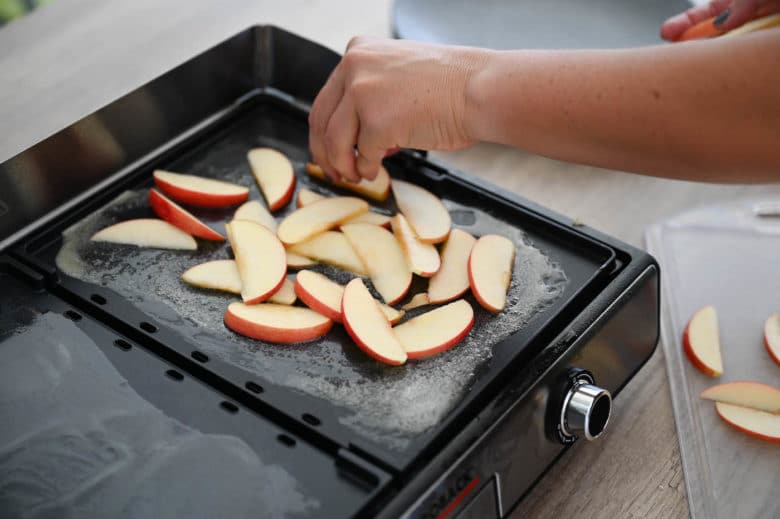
[750, 407]
[341, 231]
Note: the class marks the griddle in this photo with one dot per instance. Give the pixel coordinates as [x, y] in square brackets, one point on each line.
[201, 118]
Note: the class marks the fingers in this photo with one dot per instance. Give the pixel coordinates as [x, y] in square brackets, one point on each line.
[370, 153]
[739, 12]
[674, 27]
[321, 112]
[340, 138]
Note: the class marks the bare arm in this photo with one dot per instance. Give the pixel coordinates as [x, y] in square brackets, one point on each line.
[707, 111]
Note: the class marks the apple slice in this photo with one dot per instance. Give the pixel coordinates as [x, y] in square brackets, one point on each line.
[452, 279]
[323, 295]
[701, 342]
[332, 248]
[435, 331]
[746, 394]
[319, 293]
[383, 258]
[417, 301]
[174, 214]
[282, 324]
[255, 212]
[490, 270]
[199, 191]
[319, 217]
[426, 214]
[296, 261]
[377, 189]
[274, 174]
[307, 197]
[260, 257]
[772, 337]
[216, 275]
[758, 424]
[367, 325]
[147, 232]
[423, 258]
[285, 295]
[393, 315]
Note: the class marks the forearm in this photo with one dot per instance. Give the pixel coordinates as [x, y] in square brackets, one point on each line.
[700, 111]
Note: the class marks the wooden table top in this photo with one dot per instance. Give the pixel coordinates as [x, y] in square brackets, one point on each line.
[74, 56]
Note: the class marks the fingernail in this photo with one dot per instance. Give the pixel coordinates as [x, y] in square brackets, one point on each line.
[722, 17]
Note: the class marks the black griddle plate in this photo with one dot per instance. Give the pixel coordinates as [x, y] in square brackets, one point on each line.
[86, 408]
[269, 119]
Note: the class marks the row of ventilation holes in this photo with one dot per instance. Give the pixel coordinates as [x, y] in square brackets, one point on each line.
[200, 357]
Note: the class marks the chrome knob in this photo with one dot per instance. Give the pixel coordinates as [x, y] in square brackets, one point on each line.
[586, 410]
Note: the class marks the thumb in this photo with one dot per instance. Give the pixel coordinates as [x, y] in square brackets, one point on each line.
[737, 13]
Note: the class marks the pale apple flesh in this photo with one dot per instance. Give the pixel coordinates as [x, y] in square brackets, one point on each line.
[255, 212]
[215, 275]
[285, 295]
[754, 395]
[377, 189]
[759, 424]
[296, 261]
[179, 217]
[367, 325]
[418, 300]
[435, 331]
[490, 270]
[452, 279]
[324, 295]
[426, 214]
[275, 323]
[772, 337]
[383, 258]
[147, 232]
[260, 258]
[423, 258]
[199, 191]
[316, 218]
[331, 248]
[701, 342]
[306, 197]
[274, 174]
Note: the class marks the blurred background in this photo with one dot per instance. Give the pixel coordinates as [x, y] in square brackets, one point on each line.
[12, 9]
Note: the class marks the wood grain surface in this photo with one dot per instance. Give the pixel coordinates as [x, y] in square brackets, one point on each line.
[74, 56]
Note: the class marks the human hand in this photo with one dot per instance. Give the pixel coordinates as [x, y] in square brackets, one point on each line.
[388, 94]
[727, 14]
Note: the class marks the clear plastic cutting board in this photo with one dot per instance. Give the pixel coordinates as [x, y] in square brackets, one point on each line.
[727, 256]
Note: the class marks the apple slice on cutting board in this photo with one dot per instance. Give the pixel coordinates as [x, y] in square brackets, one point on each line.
[308, 197]
[367, 325]
[772, 337]
[490, 270]
[332, 248]
[223, 275]
[754, 395]
[260, 258]
[311, 220]
[435, 331]
[274, 174]
[452, 279]
[323, 295]
[255, 212]
[174, 214]
[199, 191]
[377, 189]
[276, 323]
[383, 258]
[147, 232]
[423, 258]
[426, 214]
[701, 342]
[759, 424]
